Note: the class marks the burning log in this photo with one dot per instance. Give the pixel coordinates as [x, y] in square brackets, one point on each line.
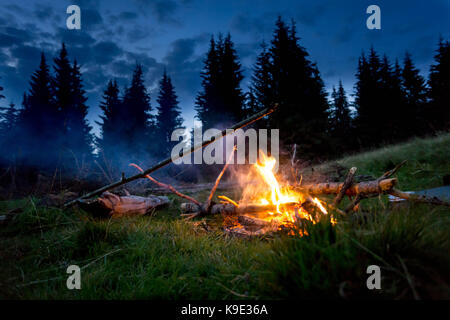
[362, 188]
[109, 204]
[230, 209]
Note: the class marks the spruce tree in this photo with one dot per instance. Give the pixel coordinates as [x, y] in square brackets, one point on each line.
[39, 121]
[168, 117]
[438, 113]
[62, 85]
[340, 120]
[393, 125]
[231, 77]
[79, 130]
[299, 90]
[368, 100]
[8, 132]
[110, 141]
[137, 127]
[207, 99]
[415, 91]
[220, 102]
[75, 140]
[261, 93]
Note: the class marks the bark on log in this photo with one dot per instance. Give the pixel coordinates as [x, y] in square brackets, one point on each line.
[110, 204]
[363, 188]
[230, 209]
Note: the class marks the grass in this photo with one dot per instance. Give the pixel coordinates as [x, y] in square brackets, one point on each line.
[160, 256]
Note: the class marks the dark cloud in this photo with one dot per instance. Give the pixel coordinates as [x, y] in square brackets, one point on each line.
[45, 12]
[105, 52]
[90, 19]
[181, 50]
[163, 10]
[127, 15]
[138, 33]
[75, 37]
[245, 23]
[10, 36]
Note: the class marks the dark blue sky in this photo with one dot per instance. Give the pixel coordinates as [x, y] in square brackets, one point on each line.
[174, 34]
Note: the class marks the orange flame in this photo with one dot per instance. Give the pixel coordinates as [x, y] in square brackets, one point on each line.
[266, 190]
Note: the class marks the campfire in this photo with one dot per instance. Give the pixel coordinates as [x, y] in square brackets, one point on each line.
[268, 203]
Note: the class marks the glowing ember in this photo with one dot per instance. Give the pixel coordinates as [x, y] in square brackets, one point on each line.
[261, 187]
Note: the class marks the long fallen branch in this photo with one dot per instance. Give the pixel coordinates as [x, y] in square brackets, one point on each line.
[166, 186]
[169, 160]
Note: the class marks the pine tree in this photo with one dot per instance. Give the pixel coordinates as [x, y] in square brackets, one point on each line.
[62, 83]
[38, 121]
[8, 131]
[168, 117]
[75, 140]
[261, 92]
[340, 120]
[231, 77]
[299, 90]
[110, 141]
[79, 130]
[439, 82]
[391, 110]
[220, 103]
[415, 92]
[368, 100]
[137, 126]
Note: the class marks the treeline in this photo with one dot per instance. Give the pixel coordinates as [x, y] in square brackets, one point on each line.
[51, 129]
[392, 102]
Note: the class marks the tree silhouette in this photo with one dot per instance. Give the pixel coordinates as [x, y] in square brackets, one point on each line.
[368, 100]
[8, 131]
[340, 120]
[39, 121]
[439, 82]
[261, 93]
[296, 85]
[79, 130]
[415, 95]
[220, 102]
[137, 127]
[110, 141]
[75, 140]
[168, 117]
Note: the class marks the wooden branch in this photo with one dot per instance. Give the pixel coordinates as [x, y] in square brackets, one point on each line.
[390, 173]
[214, 188]
[347, 184]
[109, 204]
[364, 188]
[169, 160]
[167, 186]
[353, 204]
[418, 198]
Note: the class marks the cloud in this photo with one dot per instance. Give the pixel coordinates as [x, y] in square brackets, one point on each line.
[104, 52]
[127, 15]
[163, 10]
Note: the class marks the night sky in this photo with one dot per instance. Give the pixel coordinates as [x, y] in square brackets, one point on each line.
[174, 34]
